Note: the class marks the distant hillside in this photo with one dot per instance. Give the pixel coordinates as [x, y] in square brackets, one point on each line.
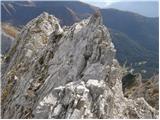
[135, 36]
[139, 28]
[68, 12]
[145, 8]
[8, 35]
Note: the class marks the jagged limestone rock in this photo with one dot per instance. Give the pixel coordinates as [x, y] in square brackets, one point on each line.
[75, 75]
[85, 105]
[30, 43]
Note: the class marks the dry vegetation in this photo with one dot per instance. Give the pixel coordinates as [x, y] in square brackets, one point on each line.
[148, 89]
[9, 29]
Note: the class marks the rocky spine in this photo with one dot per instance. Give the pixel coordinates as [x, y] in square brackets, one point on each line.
[68, 72]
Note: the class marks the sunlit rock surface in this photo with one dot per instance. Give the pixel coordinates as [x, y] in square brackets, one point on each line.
[73, 74]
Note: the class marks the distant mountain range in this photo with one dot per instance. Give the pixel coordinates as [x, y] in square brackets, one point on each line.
[135, 36]
[67, 12]
[145, 8]
[148, 8]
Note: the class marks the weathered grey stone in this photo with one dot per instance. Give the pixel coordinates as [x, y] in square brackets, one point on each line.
[74, 75]
[76, 114]
[57, 110]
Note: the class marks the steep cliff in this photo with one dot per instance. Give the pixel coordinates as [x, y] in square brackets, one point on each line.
[68, 72]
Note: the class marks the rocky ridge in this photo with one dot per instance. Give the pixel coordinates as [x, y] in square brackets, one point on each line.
[69, 72]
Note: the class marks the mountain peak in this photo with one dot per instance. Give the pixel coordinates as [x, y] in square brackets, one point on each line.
[96, 18]
[46, 23]
[33, 37]
[75, 75]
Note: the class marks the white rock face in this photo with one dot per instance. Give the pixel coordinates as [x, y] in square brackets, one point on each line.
[72, 104]
[75, 75]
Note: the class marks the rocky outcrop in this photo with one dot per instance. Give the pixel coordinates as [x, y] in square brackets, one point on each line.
[29, 44]
[72, 75]
[93, 99]
[134, 87]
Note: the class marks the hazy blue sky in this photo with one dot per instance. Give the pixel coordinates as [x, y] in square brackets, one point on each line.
[105, 3]
[113, 0]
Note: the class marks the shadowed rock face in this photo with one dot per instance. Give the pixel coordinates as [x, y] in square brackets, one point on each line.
[72, 75]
